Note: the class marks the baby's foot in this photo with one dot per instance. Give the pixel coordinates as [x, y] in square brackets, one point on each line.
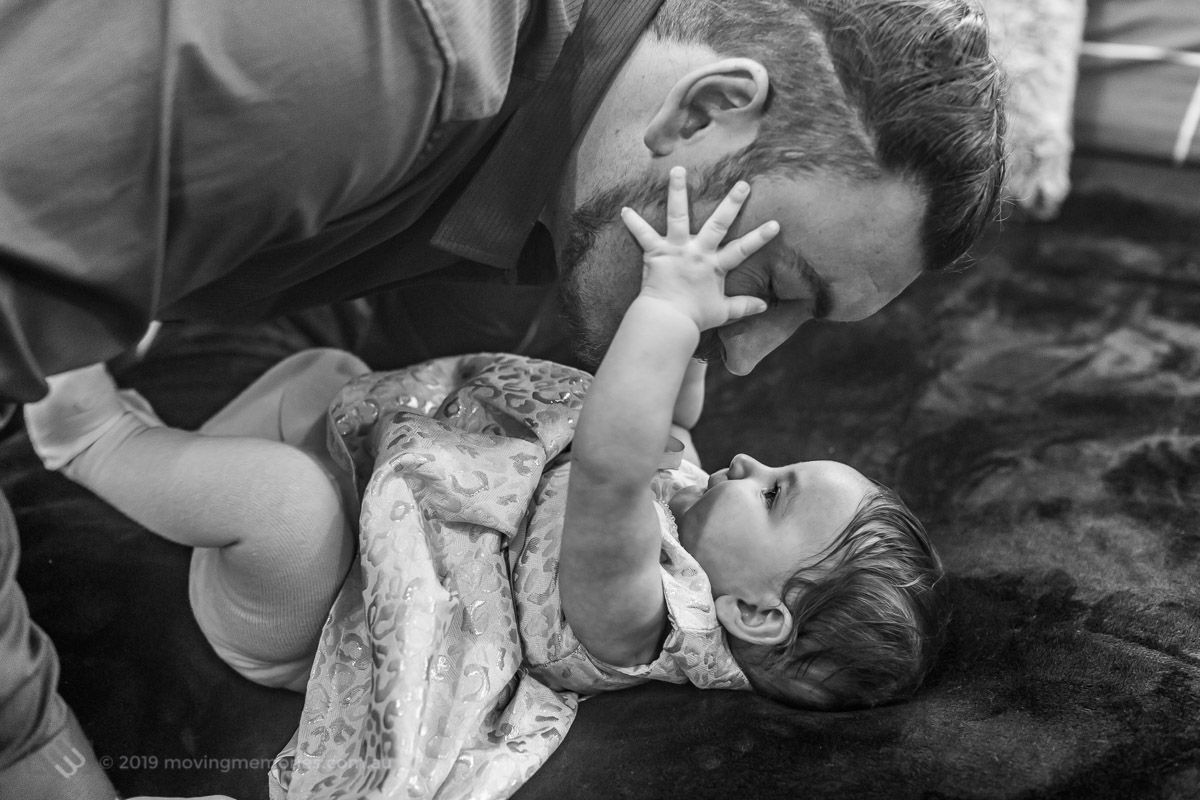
[83, 405]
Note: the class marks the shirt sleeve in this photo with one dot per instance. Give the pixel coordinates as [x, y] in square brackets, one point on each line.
[43, 753]
[64, 767]
[31, 711]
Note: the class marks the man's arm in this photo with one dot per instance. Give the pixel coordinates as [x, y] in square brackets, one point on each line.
[609, 573]
[43, 753]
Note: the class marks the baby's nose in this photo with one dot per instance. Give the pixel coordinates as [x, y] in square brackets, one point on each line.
[742, 465]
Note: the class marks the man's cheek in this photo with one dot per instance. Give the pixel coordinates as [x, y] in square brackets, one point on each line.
[607, 280]
[624, 268]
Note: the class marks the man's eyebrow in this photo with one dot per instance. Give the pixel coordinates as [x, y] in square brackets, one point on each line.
[822, 295]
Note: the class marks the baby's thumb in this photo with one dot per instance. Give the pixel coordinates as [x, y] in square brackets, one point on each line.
[744, 306]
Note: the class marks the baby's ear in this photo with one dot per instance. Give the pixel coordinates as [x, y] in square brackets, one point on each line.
[754, 623]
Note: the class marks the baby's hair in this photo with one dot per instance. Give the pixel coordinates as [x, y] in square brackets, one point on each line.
[868, 616]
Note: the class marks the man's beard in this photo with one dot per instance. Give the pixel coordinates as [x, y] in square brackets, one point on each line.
[595, 295]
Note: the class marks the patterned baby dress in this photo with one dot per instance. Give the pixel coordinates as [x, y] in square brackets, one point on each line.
[445, 668]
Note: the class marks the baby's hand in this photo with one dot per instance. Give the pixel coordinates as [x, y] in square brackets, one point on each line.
[689, 271]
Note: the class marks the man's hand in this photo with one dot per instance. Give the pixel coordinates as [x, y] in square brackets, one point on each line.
[687, 271]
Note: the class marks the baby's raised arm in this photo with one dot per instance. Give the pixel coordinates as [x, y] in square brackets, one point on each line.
[609, 575]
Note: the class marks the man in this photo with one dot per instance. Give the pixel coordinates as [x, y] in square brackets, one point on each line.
[239, 159]
[232, 159]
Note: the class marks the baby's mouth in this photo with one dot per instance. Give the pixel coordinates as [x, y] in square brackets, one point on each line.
[683, 500]
[720, 476]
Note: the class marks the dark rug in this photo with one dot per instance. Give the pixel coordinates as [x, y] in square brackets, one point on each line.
[1040, 411]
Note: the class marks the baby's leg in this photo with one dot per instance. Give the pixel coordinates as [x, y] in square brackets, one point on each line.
[273, 516]
[287, 404]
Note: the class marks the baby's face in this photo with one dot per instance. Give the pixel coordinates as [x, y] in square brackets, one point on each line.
[755, 525]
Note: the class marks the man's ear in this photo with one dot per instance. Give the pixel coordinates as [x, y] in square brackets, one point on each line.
[752, 623]
[718, 105]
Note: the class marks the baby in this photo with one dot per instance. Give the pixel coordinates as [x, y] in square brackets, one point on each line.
[821, 584]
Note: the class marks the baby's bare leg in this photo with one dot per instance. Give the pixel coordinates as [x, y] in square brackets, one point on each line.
[278, 539]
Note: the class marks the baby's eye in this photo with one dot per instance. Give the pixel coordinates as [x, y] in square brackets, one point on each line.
[770, 494]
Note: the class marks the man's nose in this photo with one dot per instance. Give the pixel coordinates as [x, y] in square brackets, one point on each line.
[748, 341]
[741, 357]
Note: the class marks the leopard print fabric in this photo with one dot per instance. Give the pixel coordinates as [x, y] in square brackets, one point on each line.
[445, 668]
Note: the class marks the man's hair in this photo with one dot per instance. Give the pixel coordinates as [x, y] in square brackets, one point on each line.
[867, 89]
[868, 617]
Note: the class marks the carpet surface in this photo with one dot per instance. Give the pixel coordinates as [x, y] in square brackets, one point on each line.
[1040, 411]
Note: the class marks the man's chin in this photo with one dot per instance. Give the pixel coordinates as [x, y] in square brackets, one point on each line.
[587, 356]
[587, 345]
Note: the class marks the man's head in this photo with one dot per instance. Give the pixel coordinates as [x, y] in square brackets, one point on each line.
[871, 129]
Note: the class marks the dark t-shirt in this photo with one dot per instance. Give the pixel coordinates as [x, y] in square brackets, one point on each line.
[221, 158]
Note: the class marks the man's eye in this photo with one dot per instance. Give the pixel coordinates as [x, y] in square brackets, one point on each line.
[769, 495]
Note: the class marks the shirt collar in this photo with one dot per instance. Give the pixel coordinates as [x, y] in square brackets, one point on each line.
[492, 218]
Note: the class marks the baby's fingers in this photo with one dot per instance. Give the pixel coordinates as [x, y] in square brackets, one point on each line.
[642, 231]
[721, 220]
[744, 306]
[741, 248]
[678, 221]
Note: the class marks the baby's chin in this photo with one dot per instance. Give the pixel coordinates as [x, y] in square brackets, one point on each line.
[683, 500]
